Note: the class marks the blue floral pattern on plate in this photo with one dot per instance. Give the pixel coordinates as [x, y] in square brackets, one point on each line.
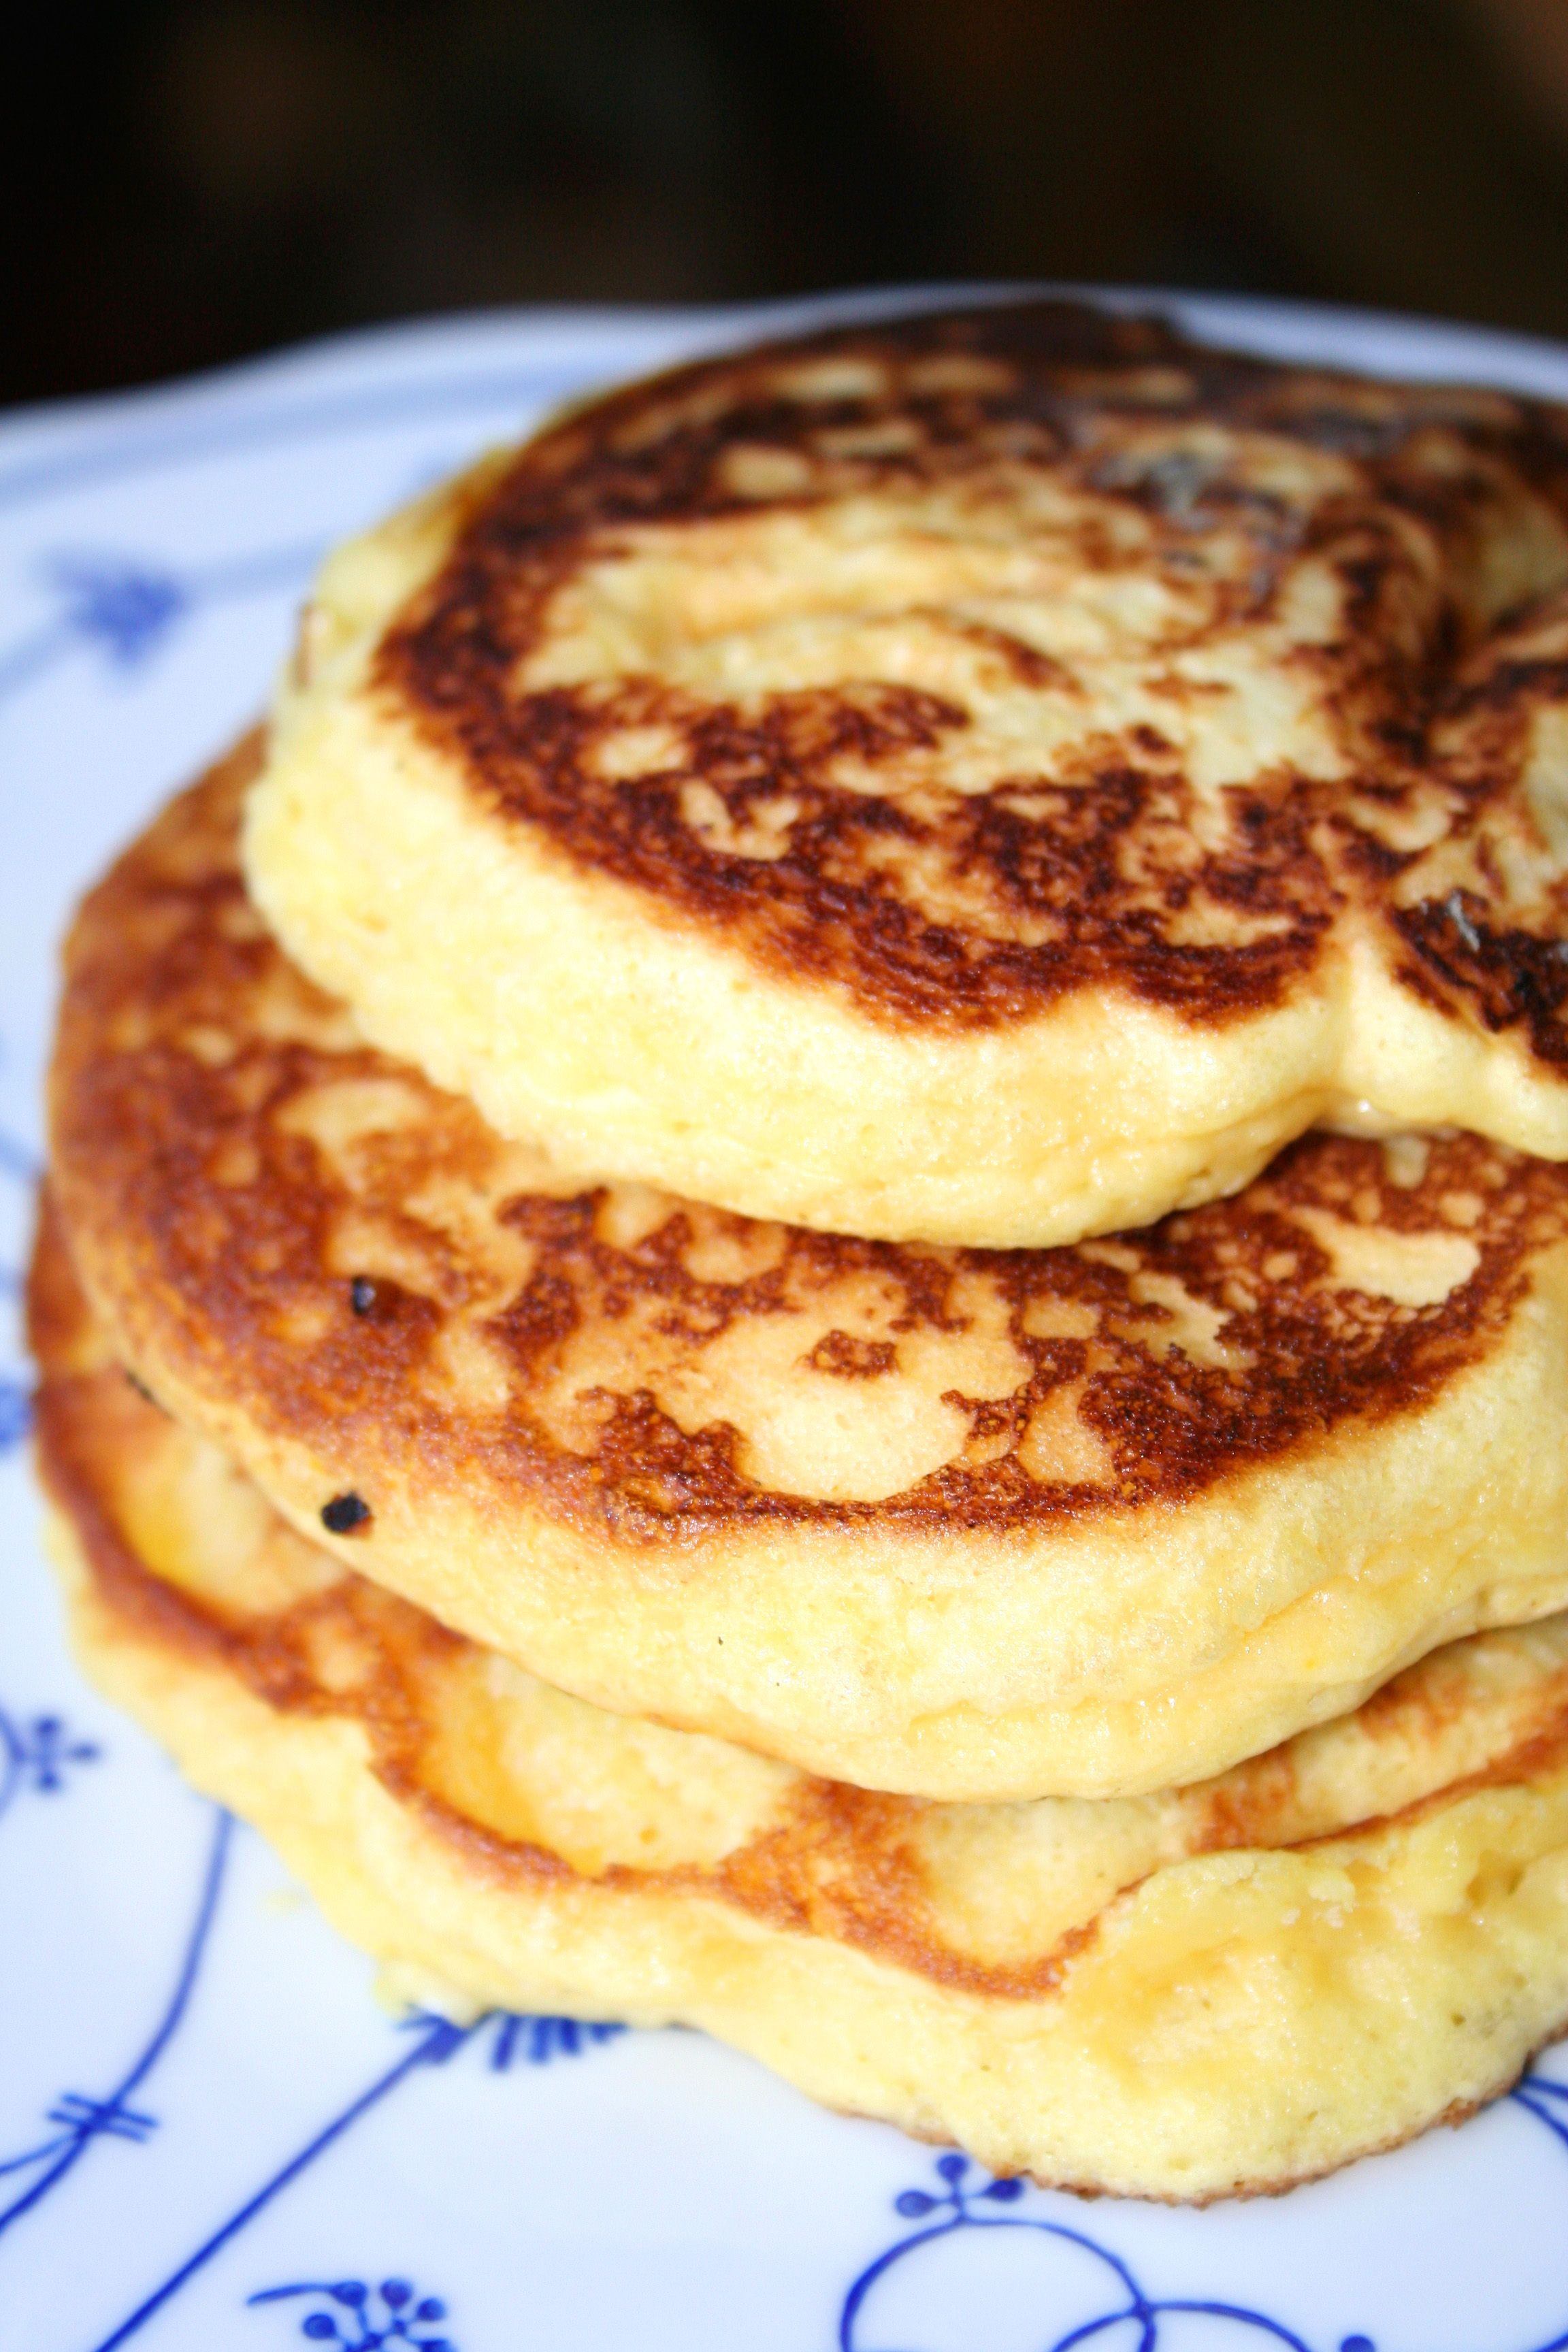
[78, 2121]
[126, 609]
[37, 1754]
[959, 2206]
[388, 2314]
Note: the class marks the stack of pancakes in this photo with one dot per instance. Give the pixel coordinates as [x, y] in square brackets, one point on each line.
[808, 1271]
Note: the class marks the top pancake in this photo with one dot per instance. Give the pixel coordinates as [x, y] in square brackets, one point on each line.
[992, 777]
[1088, 1520]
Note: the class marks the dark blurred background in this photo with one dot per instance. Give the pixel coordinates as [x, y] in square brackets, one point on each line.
[195, 180]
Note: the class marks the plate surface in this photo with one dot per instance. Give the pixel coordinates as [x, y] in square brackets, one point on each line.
[210, 2135]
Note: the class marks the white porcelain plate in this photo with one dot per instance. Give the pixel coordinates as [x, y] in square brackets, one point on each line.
[212, 2139]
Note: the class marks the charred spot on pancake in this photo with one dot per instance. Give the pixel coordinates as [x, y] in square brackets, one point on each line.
[377, 1303]
[851, 1358]
[1509, 977]
[344, 1513]
[142, 1389]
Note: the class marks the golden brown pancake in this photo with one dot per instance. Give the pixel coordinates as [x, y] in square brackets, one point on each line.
[1186, 1995]
[1085, 1521]
[992, 777]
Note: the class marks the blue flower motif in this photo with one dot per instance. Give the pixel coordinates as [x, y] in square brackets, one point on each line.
[387, 2314]
[50, 1750]
[124, 608]
[916, 2203]
[35, 1756]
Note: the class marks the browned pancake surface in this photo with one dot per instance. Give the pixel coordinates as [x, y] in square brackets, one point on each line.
[196, 1071]
[883, 1873]
[1216, 477]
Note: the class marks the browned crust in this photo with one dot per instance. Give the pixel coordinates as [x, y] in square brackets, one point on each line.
[203, 1226]
[1089, 876]
[1457, 2112]
[839, 1864]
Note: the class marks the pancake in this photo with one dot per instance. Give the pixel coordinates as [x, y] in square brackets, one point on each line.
[1188, 1995]
[1085, 1521]
[988, 777]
